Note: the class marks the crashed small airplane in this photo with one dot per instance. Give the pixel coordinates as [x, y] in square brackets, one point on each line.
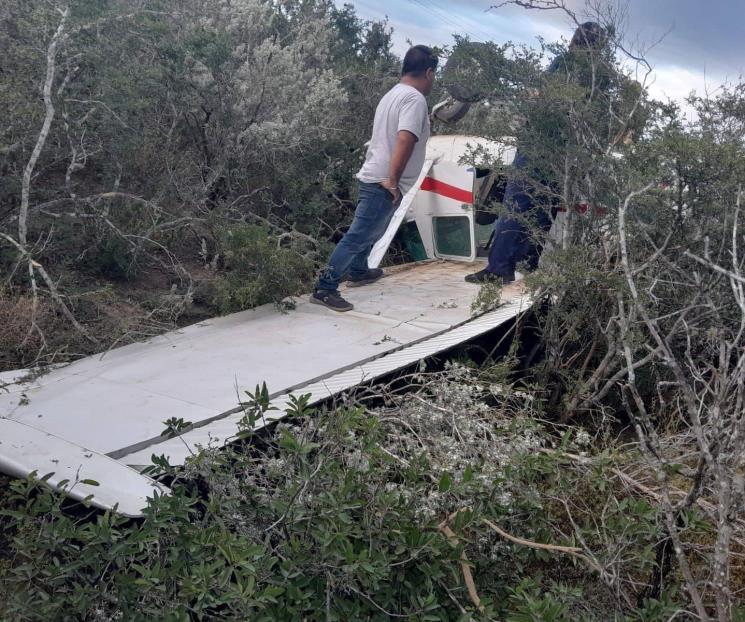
[96, 423]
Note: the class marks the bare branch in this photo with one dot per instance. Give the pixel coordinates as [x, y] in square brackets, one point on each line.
[36, 266]
[44, 133]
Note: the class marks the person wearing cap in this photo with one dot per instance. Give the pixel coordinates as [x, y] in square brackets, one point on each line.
[394, 160]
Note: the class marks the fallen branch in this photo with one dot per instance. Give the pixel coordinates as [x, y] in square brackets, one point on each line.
[572, 550]
[464, 563]
[37, 267]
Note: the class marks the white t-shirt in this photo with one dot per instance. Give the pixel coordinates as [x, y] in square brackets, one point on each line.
[401, 108]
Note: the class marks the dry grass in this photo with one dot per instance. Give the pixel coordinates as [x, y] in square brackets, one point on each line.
[20, 344]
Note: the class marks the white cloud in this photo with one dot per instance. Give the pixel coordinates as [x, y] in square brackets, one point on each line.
[676, 83]
[435, 21]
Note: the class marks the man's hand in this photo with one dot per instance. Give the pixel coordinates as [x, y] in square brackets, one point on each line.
[402, 150]
[392, 187]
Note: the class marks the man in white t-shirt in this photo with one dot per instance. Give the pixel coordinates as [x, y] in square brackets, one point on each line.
[395, 156]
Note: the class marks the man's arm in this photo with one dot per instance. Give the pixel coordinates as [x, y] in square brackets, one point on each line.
[405, 142]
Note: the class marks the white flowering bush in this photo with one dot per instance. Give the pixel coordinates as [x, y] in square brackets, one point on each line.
[350, 514]
[170, 123]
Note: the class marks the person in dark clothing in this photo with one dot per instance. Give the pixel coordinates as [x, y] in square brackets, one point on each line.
[513, 241]
[530, 210]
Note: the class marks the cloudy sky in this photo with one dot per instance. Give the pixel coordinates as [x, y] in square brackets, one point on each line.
[703, 42]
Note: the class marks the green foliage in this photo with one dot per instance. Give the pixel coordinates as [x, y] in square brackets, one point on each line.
[334, 515]
[179, 121]
[258, 269]
[173, 120]
[259, 404]
[531, 604]
[488, 298]
[111, 258]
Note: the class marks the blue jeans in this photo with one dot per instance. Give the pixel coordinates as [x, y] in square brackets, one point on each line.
[513, 241]
[371, 218]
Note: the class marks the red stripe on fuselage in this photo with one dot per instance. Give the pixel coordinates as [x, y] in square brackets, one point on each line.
[431, 184]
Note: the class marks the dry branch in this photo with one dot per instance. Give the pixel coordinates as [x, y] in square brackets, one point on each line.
[44, 133]
[35, 266]
[464, 563]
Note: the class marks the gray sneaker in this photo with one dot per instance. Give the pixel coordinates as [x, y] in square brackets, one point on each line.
[372, 275]
[332, 300]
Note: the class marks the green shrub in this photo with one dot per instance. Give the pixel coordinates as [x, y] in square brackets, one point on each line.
[111, 258]
[335, 516]
[258, 269]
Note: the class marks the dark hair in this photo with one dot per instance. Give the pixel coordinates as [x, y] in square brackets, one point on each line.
[589, 35]
[417, 60]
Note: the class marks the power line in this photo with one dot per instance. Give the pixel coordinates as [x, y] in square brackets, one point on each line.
[453, 19]
[486, 36]
[373, 10]
[445, 17]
